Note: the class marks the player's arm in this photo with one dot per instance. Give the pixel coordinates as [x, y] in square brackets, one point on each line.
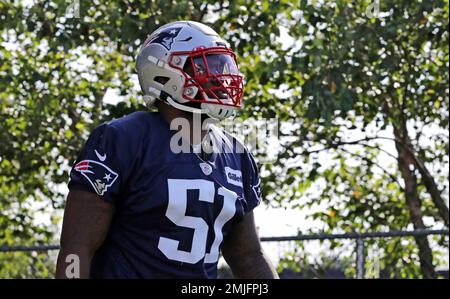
[87, 218]
[243, 252]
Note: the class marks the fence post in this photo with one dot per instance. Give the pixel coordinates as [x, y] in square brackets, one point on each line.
[360, 259]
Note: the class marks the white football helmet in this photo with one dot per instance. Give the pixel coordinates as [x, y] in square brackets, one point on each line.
[187, 65]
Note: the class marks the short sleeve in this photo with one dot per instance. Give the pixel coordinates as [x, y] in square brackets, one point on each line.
[252, 182]
[98, 167]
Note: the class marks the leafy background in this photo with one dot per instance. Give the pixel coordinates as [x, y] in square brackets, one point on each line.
[348, 81]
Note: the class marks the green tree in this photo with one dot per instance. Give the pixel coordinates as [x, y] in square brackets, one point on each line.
[343, 72]
[353, 72]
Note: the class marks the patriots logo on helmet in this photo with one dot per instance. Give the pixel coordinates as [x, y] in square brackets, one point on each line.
[165, 38]
[98, 174]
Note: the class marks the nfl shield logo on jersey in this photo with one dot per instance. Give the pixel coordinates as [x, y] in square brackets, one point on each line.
[206, 168]
[98, 174]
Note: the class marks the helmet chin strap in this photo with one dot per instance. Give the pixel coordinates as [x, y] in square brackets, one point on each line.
[214, 111]
[182, 107]
[217, 112]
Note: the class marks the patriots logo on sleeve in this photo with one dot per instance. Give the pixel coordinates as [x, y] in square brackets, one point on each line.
[98, 174]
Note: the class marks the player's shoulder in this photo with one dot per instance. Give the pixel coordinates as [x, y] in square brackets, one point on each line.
[130, 129]
[135, 120]
[137, 124]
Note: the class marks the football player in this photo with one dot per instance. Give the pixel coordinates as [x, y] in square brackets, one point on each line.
[141, 206]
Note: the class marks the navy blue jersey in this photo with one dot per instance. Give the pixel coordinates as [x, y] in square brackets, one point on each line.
[173, 210]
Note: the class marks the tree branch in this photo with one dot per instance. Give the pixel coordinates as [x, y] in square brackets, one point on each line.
[431, 187]
[370, 162]
[354, 142]
[203, 12]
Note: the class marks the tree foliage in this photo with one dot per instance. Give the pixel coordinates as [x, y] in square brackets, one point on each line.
[348, 81]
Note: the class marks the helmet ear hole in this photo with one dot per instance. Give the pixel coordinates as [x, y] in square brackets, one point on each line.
[188, 68]
[161, 79]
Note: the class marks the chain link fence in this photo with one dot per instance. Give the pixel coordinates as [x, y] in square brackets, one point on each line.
[358, 255]
[348, 255]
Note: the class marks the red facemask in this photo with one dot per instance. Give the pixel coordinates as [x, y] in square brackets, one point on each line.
[214, 72]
